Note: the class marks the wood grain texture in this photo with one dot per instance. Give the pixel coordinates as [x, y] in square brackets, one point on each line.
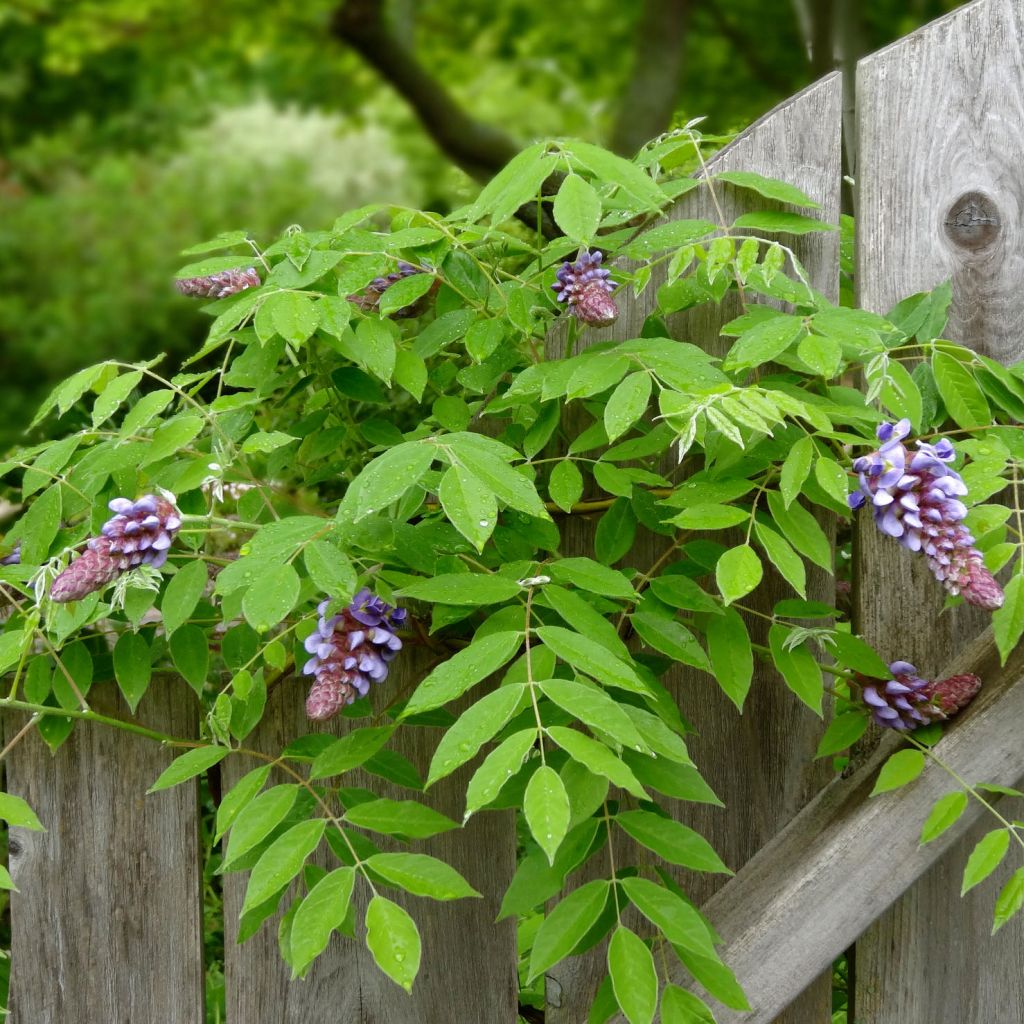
[847, 857]
[760, 763]
[107, 925]
[469, 962]
[940, 196]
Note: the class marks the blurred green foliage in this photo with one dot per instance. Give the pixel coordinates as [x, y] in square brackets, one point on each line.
[131, 128]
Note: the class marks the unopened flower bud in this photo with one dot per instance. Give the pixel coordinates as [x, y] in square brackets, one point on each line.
[585, 287]
[220, 285]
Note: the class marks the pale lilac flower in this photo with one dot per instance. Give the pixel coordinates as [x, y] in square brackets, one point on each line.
[349, 651]
[585, 287]
[907, 701]
[140, 532]
[915, 497]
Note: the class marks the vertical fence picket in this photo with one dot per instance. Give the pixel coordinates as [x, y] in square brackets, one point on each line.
[469, 963]
[941, 190]
[107, 922]
[760, 763]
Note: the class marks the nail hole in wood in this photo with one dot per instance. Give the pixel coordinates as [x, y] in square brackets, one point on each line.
[973, 221]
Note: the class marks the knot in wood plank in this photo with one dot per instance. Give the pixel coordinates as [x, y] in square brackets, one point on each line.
[973, 221]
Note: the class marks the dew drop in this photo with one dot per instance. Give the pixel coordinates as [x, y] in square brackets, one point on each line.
[484, 522]
[399, 957]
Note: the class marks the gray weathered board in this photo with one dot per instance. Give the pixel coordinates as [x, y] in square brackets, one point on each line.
[469, 962]
[107, 924]
[760, 763]
[846, 858]
[940, 188]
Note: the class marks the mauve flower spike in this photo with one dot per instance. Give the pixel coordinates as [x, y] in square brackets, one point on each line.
[349, 651]
[585, 287]
[140, 533]
[915, 497]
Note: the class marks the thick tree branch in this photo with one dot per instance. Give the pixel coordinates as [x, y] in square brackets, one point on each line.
[479, 149]
[650, 97]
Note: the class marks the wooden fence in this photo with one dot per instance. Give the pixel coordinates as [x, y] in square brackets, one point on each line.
[108, 921]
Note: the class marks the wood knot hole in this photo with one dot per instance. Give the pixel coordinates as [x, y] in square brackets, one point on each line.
[14, 847]
[973, 221]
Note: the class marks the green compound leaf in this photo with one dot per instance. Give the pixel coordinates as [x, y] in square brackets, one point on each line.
[770, 188]
[271, 598]
[319, 914]
[399, 818]
[463, 588]
[182, 594]
[421, 875]
[672, 841]
[1010, 900]
[282, 861]
[986, 856]
[901, 769]
[738, 572]
[188, 766]
[795, 469]
[499, 766]
[17, 813]
[394, 940]
[469, 504]
[257, 819]
[566, 925]
[732, 656]
[462, 671]
[474, 727]
[546, 807]
[627, 403]
[944, 815]
[577, 209]
[566, 485]
[634, 978]
[681, 1007]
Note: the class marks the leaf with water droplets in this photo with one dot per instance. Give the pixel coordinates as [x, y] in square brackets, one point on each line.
[546, 806]
[394, 941]
[470, 506]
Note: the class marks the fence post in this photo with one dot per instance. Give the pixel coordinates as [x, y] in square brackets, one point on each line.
[940, 192]
[760, 763]
[469, 962]
[107, 923]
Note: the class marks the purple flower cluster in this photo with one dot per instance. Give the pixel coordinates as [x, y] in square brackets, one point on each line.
[915, 497]
[139, 533]
[369, 298]
[221, 285]
[585, 287]
[350, 650]
[907, 701]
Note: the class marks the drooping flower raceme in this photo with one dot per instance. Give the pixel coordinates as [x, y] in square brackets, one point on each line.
[140, 532]
[349, 651]
[585, 287]
[915, 497]
[220, 285]
[907, 701]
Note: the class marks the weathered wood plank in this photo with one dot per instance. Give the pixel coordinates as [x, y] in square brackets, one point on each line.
[846, 858]
[940, 180]
[107, 925]
[760, 763]
[469, 962]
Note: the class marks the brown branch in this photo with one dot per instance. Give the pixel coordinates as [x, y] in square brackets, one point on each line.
[479, 149]
[650, 96]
